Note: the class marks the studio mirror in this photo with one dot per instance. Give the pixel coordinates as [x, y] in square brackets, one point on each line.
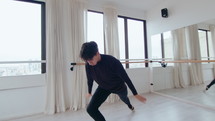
[183, 80]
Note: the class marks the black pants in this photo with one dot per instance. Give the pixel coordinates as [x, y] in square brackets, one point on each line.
[212, 83]
[98, 98]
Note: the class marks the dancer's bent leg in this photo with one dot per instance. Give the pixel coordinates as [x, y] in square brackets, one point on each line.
[124, 97]
[98, 98]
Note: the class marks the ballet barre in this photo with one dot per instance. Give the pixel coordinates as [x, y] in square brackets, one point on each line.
[163, 63]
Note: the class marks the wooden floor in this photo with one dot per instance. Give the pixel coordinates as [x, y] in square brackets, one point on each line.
[157, 108]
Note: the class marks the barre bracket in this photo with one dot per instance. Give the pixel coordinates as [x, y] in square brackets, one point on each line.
[72, 68]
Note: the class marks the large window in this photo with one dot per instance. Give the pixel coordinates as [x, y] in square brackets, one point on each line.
[132, 39]
[206, 45]
[162, 47]
[132, 36]
[168, 45]
[121, 29]
[156, 46]
[22, 38]
[95, 30]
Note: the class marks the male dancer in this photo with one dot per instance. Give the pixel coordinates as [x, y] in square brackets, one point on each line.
[110, 76]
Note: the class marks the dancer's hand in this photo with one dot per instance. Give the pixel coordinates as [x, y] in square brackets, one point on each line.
[140, 98]
[88, 95]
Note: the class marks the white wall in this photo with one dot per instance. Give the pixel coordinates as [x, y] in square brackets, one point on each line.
[21, 96]
[208, 72]
[162, 78]
[140, 78]
[181, 13]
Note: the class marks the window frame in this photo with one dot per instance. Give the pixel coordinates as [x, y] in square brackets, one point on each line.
[162, 40]
[207, 42]
[43, 39]
[126, 38]
[98, 12]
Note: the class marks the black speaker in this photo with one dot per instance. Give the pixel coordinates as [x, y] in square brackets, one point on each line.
[164, 12]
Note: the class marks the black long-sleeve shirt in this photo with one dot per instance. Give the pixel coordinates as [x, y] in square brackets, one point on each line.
[109, 75]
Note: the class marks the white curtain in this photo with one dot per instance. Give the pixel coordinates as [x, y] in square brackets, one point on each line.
[179, 51]
[55, 94]
[111, 38]
[65, 34]
[194, 54]
[111, 31]
[78, 37]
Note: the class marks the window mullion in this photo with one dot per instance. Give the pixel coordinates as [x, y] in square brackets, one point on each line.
[162, 46]
[206, 32]
[126, 41]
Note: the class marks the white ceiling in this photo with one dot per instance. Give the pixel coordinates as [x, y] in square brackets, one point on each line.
[212, 21]
[143, 5]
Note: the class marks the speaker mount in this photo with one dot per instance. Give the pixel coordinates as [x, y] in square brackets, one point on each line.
[164, 12]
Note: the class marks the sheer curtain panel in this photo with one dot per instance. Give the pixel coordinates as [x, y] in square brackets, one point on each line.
[179, 53]
[193, 46]
[65, 34]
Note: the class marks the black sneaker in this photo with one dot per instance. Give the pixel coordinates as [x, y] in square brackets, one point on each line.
[131, 107]
[206, 89]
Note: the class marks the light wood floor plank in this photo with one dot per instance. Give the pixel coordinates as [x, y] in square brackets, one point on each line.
[157, 108]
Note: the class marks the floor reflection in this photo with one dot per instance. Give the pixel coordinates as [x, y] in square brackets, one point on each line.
[196, 94]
